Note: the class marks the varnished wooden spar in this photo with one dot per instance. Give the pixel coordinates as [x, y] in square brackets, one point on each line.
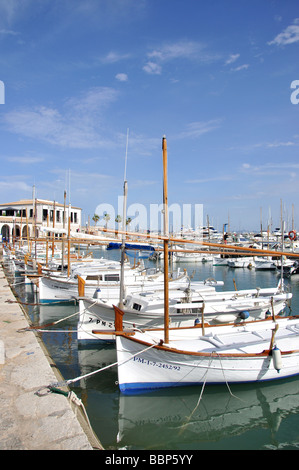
[237, 249]
[166, 241]
[223, 249]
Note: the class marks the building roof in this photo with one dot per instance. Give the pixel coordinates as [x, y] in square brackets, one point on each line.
[24, 202]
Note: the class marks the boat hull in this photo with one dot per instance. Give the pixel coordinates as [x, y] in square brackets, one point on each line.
[146, 366]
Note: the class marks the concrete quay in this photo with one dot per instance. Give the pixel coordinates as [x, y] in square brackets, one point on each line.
[29, 421]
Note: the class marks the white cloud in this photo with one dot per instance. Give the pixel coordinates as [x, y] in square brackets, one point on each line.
[266, 145]
[196, 129]
[76, 126]
[122, 77]
[13, 186]
[189, 50]
[114, 57]
[152, 68]
[232, 58]
[211, 179]
[288, 36]
[180, 50]
[25, 160]
[241, 67]
[8, 32]
[271, 169]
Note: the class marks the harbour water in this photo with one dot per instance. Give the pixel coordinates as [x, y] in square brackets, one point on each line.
[228, 417]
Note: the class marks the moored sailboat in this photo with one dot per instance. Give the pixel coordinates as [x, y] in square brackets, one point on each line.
[253, 352]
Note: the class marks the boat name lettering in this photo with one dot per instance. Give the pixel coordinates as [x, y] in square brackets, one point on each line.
[100, 322]
[156, 364]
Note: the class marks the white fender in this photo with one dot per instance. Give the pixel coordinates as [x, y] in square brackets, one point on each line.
[276, 355]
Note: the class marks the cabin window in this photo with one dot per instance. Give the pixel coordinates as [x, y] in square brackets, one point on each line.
[112, 277]
[93, 278]
[137, 307]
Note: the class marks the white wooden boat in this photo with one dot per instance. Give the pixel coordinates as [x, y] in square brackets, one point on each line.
[251, 352]
[243, 262]
[220, 260]
[186, 308]
[185, 257]
[265, 263]
[104, 278]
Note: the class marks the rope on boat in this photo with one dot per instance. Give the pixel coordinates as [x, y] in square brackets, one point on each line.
[226, 382]
[200, 395]
[40, 327]
[56, 385]
[203, 387]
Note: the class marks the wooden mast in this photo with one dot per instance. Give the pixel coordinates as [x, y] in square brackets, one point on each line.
[123, 243]
[166, 242]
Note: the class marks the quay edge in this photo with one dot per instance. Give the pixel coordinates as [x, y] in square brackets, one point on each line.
[29, 421]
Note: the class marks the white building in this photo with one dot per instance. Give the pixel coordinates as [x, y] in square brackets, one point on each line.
[18, 217]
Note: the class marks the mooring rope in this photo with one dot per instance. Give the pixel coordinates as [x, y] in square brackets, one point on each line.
[203, 387]
[40, 327]
[235, 396]
[64, 383]
[200, 397]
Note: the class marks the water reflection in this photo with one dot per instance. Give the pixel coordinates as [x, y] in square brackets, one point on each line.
[217, 416]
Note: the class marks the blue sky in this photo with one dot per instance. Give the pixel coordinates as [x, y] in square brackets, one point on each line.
[213, 76]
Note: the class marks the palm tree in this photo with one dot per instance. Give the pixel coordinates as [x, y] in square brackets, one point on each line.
[106, 217]
[118, 221]
[96, 218]
[129, 220]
